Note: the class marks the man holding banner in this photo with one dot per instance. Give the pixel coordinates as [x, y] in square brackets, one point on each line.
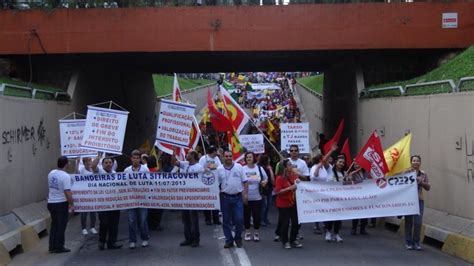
[108, 220]
[138, 216]
[190, 217]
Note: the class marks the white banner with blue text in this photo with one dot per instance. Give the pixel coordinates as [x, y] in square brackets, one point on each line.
[117, 191]
[332, 201]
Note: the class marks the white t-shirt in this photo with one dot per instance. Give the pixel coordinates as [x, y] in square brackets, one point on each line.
[84, 171]
[58, 182]
[186, 168]
[254, 179]
[231, 179]
[322, 175]
[208, 161]
[142, 169]
[301, 166]
[103, 172]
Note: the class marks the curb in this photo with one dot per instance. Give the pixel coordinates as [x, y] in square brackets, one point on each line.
[453, 244]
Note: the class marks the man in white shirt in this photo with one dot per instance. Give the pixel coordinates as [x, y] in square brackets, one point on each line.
[59, 203]
[234, 192]
[190, 217]
[137, 216]
[298, 164]
[210, 162]
[108, 220]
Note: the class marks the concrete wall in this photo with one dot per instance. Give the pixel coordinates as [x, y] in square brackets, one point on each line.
[443, 134]
[29, 147]
[312, 112]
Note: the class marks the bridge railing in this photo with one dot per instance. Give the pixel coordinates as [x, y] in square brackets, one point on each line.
[320, 96]
[445, 86]
[34, 93]
[186, 91]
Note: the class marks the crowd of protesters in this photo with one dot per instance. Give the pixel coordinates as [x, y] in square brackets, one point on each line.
[249, 189]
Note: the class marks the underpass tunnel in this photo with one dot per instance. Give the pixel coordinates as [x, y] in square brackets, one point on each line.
[131, 89]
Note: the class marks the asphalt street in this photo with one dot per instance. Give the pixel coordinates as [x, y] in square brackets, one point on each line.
[381, 247]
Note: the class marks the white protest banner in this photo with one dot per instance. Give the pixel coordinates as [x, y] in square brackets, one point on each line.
[105, 129]
[265, 86]
[295, 133]
[117, 191]
[71, 132]
[174, 123]
[331, 201]
[253, 143]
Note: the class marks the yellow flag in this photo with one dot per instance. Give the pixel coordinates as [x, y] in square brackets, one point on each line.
[271, 131]
[398, 156]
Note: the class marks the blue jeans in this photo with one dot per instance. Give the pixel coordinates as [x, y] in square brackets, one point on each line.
[266, 203]
[137, 217]
[413, 226]
[232, 207]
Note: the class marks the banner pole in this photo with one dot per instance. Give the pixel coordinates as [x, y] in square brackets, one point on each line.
[271, 144]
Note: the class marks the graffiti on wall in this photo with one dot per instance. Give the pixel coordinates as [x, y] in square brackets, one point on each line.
[469, 158]
[26, 134]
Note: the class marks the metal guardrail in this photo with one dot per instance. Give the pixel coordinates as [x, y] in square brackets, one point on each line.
[320, 96]
[56, 95]
[462, 81]
[187, 91]
[403, 91]
[422, 84]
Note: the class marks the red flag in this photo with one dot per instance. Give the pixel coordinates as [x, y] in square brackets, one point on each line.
[347, 153]
[219, 121]
[335, 138]
[236, 114]
[371, 157]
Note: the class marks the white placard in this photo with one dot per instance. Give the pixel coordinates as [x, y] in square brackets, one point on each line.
[450, 20]
[295, 133]
[332, 201]
[71, 133]
[174, 123]
[118, 191]
[253, 143]
[265, 86]
[105, 129]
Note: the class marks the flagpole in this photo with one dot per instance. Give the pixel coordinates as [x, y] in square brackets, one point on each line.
[271, 144]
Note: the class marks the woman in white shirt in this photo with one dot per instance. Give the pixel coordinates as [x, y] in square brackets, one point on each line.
[257, 178]
[336, 175]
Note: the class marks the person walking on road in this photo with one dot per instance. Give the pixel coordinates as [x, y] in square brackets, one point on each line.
[285, 186]
[413, 222]
[137, 217]
[234, 193]
[60, 203]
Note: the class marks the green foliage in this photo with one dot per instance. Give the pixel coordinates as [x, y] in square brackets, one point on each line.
[11, 91]
[460, 66]
[315, 83]
[164, 84]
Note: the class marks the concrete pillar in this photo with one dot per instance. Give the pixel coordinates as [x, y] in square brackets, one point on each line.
[133, 90]
[340, 100]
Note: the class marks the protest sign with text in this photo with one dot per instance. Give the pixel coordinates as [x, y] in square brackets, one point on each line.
[71, 132]
[105, 129]
[174, 123]
[117, 191]
[295, 133]
[253, 143]
[331, 201]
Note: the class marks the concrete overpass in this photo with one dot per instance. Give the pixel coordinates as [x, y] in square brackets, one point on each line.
[354, 44]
